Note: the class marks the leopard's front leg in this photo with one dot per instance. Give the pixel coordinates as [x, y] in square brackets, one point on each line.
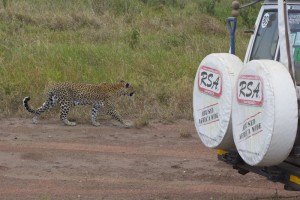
[115, 115]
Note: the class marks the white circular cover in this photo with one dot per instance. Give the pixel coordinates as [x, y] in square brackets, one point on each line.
[212, 99]
[264, 113]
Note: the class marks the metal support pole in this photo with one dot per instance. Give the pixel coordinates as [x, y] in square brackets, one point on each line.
[231, 23]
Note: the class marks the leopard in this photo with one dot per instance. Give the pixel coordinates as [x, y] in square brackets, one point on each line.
[68, 95]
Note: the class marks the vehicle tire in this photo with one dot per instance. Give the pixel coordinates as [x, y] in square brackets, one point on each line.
[212, 99]
[265, 113]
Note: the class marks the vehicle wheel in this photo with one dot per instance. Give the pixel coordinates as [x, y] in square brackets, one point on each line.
[265, 113]
[212, 99]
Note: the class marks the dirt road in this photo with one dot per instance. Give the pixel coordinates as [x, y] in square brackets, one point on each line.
[52, 161]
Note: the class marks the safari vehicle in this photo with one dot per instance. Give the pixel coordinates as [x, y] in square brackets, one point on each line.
[248, 110]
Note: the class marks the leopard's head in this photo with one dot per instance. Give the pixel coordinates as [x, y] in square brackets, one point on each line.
[127, 89]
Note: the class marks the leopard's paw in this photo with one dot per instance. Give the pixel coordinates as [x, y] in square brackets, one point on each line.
[96, 123]
[68, 123]
[127, 125]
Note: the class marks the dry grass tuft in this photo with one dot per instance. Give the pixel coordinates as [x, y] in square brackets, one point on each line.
[206, 24]
[141, 121]
[184, 133]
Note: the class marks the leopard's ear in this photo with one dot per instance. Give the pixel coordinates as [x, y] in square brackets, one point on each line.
[127, 85]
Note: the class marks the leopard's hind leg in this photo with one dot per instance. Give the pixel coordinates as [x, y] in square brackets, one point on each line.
[94, 113]
[64, 110]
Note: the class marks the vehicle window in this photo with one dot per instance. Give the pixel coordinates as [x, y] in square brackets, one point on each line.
[294, 22]
[266, 40]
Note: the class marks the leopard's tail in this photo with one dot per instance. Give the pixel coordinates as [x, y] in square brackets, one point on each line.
[27, 107]
[49, 103]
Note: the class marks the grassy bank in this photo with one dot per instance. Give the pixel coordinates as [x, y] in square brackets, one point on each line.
[155, 45]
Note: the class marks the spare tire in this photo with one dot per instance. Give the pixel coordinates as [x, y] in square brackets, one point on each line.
[212, 99]
[265, 113]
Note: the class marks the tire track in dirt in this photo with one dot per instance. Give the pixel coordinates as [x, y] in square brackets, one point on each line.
[140, 187]
[115, 187]
[184, 152]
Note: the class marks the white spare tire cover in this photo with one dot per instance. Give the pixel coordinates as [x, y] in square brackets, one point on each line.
[212, 99]
[264, 113]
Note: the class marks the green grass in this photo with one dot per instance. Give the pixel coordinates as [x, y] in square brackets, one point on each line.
[155, 45]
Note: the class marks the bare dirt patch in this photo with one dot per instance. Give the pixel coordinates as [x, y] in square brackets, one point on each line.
[53, 161]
